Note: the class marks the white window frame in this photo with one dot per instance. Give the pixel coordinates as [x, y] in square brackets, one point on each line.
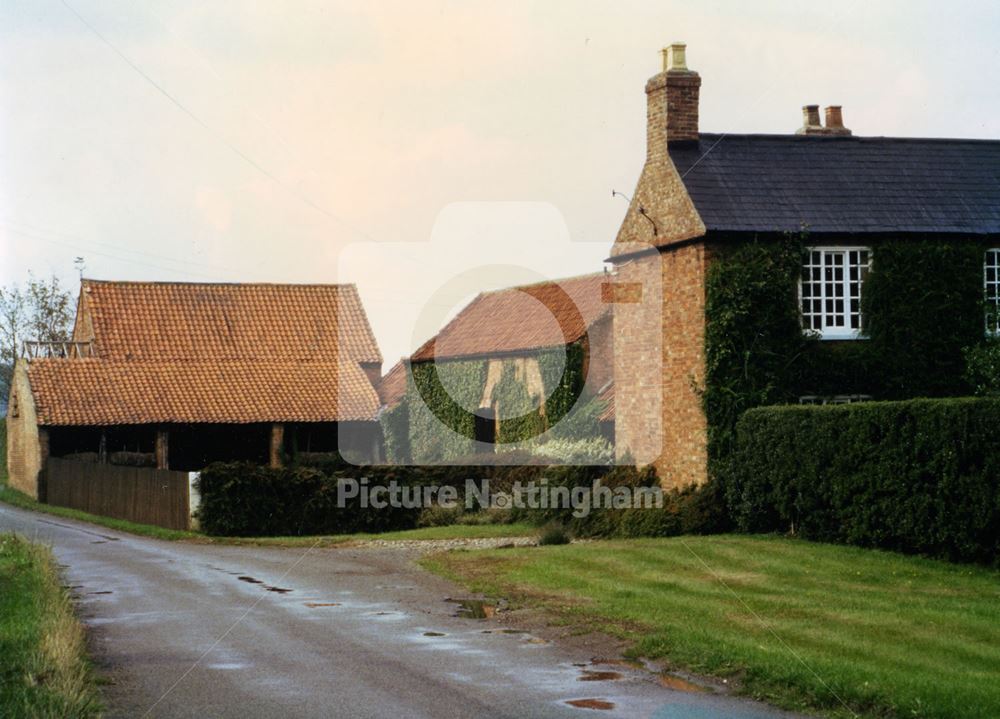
[991, 291]
[832, 331]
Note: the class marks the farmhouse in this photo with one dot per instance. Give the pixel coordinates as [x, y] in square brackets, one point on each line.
[511, 364]
[177, 375]
[812, 266]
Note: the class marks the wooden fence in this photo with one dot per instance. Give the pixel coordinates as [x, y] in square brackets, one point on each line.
[138, 494]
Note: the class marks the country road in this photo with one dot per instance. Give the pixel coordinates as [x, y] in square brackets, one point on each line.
[189, 630]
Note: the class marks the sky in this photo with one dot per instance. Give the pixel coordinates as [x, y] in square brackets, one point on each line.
[423, 151]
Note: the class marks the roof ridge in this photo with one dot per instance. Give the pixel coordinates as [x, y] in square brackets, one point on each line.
[553, 281]
[848, 138]
[91, 280]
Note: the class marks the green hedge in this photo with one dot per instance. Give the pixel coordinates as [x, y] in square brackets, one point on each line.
[917, 476]
[242, 499]
[247, 500]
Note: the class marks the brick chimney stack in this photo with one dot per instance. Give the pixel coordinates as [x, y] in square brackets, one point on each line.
[672, 103]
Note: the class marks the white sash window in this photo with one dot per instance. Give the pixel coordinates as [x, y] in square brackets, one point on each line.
[830, 290]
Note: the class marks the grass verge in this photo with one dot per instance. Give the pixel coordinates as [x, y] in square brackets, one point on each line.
[14, 498]
[43, 664]
[841, 630]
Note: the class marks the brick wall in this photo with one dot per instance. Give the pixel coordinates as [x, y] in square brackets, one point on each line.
[27, 444]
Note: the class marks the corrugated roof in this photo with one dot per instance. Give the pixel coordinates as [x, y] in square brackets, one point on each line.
[209, 321]
[765, 183]
[107, 392]
[518, 319]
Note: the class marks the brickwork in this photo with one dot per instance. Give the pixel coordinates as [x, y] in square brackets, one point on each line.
[27, 445]
[659, 343]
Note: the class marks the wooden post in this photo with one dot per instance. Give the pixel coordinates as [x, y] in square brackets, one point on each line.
[42, 483]
[277, 443]
[162, 449]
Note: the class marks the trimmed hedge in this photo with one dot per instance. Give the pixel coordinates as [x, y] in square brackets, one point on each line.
[917, 476]
[242, 499]
[248, 500]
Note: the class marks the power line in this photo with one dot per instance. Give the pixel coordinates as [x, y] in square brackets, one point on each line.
[214, 133]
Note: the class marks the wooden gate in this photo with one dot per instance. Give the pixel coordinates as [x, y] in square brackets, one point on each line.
[138, 494]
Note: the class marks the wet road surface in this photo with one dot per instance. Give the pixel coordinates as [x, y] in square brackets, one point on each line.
[188, 630]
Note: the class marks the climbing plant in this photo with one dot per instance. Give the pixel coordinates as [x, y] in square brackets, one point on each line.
[432, 407]
[921, 307]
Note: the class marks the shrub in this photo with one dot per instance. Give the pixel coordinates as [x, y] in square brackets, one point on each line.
[553, 533]
[982, 368]
[242, 499]
[916, 476]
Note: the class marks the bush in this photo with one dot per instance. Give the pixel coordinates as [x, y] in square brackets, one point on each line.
[917, 476]
[553, 533]
[242, 499]
[982, 368]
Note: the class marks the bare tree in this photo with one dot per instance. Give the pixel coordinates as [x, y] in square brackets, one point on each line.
[41, 310]
[13, 326]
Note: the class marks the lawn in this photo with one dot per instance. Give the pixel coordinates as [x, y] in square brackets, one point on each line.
[846, 631]
[42, 651]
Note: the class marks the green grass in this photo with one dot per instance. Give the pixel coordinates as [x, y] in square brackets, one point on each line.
[802, 625]
[43, 662]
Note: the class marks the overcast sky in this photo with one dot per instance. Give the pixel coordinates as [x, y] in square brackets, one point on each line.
[308, 141]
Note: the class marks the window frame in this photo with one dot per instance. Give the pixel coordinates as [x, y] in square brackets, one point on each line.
[991, 314]
[836, 333]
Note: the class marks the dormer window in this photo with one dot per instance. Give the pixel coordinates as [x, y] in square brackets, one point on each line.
[830, 291]
[991, 285]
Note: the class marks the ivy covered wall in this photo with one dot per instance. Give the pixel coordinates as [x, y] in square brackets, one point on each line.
[428, 404]
[922, 304]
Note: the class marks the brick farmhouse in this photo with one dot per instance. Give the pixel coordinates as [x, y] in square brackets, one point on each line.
[700, 193]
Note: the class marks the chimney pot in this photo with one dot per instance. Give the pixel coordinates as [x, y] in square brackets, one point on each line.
[810, 116]
[834, 117]
[675, 57]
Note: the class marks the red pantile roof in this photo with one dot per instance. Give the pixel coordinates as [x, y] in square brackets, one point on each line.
[519, 319]
[107, 392]
[213, 321]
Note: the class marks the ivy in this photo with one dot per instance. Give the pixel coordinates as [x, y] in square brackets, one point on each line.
[431, 405]
[921, 304]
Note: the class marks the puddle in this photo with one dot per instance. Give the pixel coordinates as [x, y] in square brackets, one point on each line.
[100, 541]
[594, 675]
[279, 590]
[250, 580]
[104, 592]
[536, 640]
[435, 634]
[474, 608]
[681, 685]
[313, 605]
[591, 703]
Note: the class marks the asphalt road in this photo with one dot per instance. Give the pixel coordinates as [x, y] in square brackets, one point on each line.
[187, 630]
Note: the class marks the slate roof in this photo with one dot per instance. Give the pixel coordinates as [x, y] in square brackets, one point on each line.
[200, 321]
[764, 183]
[109, 392]
[520, 319]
